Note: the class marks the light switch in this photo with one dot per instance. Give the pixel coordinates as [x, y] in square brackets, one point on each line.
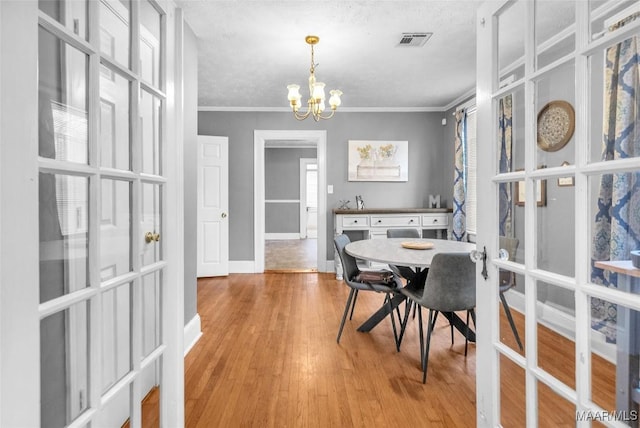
[330, 189]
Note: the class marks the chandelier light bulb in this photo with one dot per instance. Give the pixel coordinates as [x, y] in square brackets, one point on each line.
[318, 91]
[294, 94]
[335, 101]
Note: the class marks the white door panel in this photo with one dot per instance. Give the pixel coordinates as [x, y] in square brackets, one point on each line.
[213, 206]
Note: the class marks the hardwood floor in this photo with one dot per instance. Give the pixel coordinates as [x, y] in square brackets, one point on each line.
[268, 357]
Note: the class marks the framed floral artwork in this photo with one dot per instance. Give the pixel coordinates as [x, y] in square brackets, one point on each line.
[378, 160]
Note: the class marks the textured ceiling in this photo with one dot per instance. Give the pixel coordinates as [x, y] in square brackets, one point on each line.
[250, 50]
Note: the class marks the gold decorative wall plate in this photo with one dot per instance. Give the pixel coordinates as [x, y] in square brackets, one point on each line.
[556, 122]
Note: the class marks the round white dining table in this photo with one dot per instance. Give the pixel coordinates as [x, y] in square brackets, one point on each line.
[391, 251]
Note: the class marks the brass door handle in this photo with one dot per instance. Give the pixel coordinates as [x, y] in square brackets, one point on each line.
[150, 237]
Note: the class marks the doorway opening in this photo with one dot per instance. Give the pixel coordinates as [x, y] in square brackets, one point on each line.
[291, 207]
[273, 204]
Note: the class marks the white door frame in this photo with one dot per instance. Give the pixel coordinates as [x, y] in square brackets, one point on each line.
[303, 194]
[292, 137]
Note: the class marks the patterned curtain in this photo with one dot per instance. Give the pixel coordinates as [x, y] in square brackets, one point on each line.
[505, 116]
[617, 222]
[459, 229]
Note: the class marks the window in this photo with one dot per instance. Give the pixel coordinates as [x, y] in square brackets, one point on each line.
[471, 171]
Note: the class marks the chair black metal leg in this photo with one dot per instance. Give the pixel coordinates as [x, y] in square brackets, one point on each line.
[466, 336]
[398, 312]
[510, 318]
[421, 334]
[355, 297]
[425, 355]
[393, 322]
[344, 315]
[404, 321]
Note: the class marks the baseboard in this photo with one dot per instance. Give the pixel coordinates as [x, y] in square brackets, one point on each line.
[242, 266]
[281, 236]
[249, 266]
[329, 266]
[192, 333]
[563, 323]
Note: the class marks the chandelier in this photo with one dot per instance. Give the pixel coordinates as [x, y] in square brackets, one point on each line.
[315, 103]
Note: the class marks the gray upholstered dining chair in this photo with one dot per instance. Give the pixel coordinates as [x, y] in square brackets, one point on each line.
[508, 281]
[350, 272]
[403, 233]
[404, 271]
[450, 286]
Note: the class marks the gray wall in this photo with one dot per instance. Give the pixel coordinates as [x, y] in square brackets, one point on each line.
[430, 160]
[282, 181]
[190, 178]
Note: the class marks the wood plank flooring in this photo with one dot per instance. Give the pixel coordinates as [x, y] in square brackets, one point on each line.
[269, 358]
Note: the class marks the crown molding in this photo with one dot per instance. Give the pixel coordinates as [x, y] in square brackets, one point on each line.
[340, 110]
[471, 93]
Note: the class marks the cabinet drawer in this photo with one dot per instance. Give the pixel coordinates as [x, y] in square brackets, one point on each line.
[395, 221]
[435, 220]
[355, 221]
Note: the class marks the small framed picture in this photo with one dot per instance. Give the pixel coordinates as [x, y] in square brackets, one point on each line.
[541, 194]
[566, 181]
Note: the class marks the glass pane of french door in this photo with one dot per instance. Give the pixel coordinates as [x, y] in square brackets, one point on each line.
[150, 53]
[115, 98]
[115, 31]
[72, 14]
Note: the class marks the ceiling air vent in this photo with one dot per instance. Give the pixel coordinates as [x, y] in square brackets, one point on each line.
[414, 39]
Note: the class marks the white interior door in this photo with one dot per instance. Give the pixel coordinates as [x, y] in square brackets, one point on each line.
[557, 83]
[213, 206]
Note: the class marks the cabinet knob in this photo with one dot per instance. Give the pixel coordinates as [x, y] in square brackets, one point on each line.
[355, 221]
[411, 221]
[435, 220]
[379, 221]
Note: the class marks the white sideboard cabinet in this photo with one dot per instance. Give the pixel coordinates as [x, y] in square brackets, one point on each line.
[373, 223]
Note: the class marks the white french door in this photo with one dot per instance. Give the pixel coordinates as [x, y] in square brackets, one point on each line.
[96, 192]
[557, 85]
